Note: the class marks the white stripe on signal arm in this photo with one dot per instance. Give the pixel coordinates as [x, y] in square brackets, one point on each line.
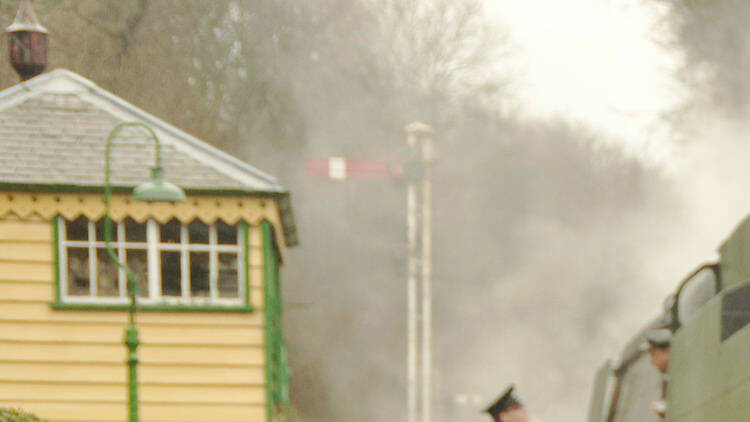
[337, 168]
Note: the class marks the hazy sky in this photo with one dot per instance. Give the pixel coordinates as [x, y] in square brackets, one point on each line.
[598, 62]
[603, 63]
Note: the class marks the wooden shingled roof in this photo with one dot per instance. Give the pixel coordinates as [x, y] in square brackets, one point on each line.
[53, 131]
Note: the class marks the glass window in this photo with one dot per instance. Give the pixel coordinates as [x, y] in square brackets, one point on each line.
[171, 274]
[200, 274]
[107, 274]
[100, 231]
[227, 235]
[134, 231]
[137, 260]
[735, 311]
[170, 232]
[198, 232]
[695, 292]
[78, 272]
[228, 275]
[78, 229]
[174, 263]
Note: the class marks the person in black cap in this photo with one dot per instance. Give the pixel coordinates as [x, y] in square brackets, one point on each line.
[657, 344]
[508, 408]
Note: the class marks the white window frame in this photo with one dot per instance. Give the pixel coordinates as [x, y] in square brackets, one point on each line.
[153, 248]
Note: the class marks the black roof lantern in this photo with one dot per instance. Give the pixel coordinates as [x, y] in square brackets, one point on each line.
[27, 42]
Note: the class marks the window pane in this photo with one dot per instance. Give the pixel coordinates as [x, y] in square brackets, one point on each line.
[228, 277]
[170, 274]
[198, 232]
[227, 233]
[137, 260]
[135, 232]
[695, 293]
[106, 274]
[170, 232]
[100, 230]
[78, 272]
[199, 274]
[77, 229]
[735, 311]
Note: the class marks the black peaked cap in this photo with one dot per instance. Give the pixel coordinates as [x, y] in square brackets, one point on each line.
[506, 400]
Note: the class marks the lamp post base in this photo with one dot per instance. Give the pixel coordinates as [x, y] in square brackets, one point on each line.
[132, 342]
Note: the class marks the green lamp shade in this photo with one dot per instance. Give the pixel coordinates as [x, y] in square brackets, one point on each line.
[158, 189]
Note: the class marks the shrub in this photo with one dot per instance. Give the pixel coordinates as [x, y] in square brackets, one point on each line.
[17, 415]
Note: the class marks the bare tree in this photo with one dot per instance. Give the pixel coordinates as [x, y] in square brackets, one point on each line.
[441, 46]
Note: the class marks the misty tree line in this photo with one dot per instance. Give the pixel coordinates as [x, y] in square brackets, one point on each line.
[521, 206]
[714, 44]
[716, 49]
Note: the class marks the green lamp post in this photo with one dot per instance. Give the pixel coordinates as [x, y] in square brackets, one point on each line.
[156, 189]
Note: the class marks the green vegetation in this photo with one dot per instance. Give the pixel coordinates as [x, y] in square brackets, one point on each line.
[17, 415]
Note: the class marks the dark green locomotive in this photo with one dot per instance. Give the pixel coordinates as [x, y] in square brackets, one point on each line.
[709, 368]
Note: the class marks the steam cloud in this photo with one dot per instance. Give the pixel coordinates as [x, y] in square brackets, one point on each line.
[550, 248]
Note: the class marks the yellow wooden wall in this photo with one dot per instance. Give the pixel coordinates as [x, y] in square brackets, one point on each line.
[69, 365]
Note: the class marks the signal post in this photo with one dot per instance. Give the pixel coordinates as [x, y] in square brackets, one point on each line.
[417, 173]
[419, 209]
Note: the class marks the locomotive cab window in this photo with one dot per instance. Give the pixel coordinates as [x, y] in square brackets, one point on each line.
[735, 311]
[174, 263]
[695, 291]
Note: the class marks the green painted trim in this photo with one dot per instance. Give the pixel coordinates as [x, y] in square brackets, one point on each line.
[267, 277]
[276, 360]
[246, 259]
[38, 187]
[159, 308]
[56, 248]
[272, 314]
[282, 198]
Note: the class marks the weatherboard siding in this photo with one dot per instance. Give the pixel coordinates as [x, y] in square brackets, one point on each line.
[69, 365]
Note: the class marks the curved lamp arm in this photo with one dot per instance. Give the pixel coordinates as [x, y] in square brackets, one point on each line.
[131, 279]
[157, 189]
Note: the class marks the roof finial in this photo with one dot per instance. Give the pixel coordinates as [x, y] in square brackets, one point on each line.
[27, 42]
